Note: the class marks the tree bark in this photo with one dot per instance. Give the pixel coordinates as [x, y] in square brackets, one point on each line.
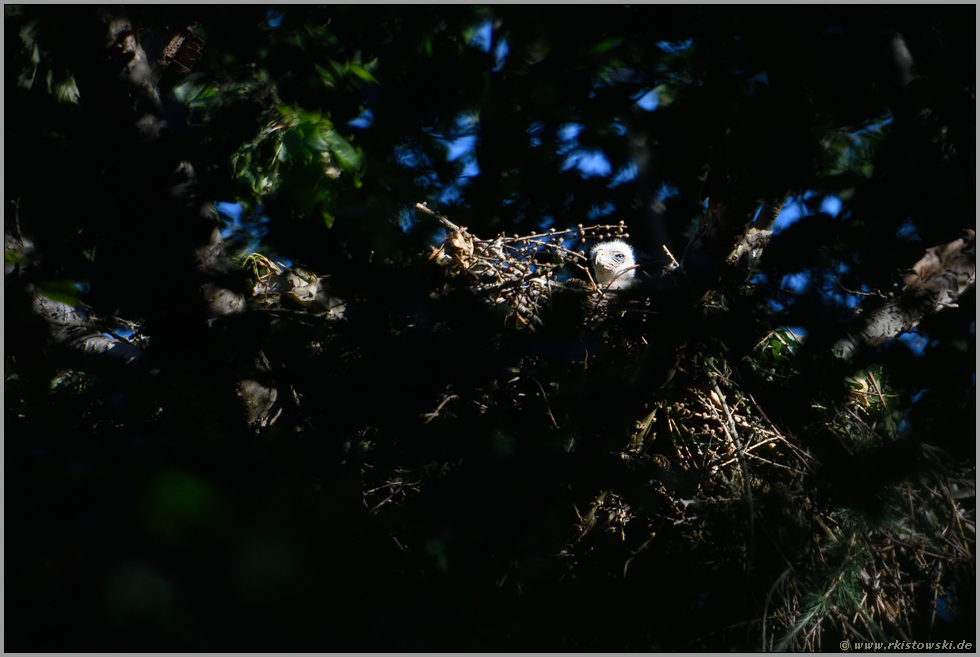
[936, 281]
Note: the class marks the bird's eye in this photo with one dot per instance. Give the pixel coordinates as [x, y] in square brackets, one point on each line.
[619, 257]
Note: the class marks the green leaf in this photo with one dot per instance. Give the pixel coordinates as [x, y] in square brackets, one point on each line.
[604, 46]
[664, 95]
[189, 88]
[208, 91]
[362, 73]
[26, 78]
[327, 77]
[66, 91]
[59, 291]
[295, 145]
[340, 70]
[346, 155]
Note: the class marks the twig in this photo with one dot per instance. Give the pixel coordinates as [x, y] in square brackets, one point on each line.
[546, 403]
[434, 414]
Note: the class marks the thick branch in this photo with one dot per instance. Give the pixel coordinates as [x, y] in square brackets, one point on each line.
[936, 282]
[71, 329]
[730, 237]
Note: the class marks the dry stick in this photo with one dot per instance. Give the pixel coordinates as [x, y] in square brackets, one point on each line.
[673, 260]
[548, 406]
[401, 486]
[434, 414]
[956, 513]
[884, 403]
[765, 608]
[796, 452]
[635, 552]
[422, 207]
[746, 474]
[773, 463]
[620, 274]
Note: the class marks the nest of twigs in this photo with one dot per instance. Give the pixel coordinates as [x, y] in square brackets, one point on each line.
[521, 272]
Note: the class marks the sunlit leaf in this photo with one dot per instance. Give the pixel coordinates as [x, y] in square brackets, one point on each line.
[189, 88]
[664, 95]
[346, 155]
[60, 291]
[66, 91]
[362, 73]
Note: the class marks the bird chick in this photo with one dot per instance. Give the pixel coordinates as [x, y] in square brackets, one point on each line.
[611, 264]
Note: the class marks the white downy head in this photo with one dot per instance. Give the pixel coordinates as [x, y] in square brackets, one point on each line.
[611, 264]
